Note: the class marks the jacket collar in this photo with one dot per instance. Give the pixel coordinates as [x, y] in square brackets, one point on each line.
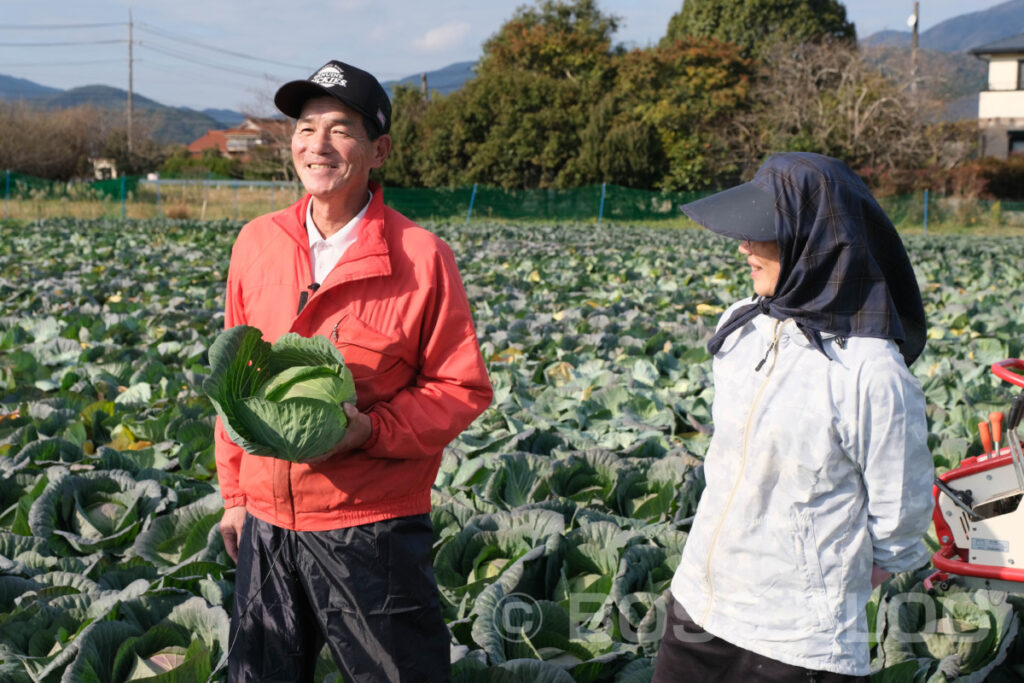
[765, 326]
[367, 257]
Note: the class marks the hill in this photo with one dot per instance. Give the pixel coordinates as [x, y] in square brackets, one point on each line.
[962, 32]
[945, 76]
[445, 80]
[12, 88]
[164, 124]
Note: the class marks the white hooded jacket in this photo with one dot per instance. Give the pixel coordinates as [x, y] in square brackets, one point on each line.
[818, 468]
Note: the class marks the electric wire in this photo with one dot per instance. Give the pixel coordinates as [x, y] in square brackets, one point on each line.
[163, 34]
[187, 58]
[64, 64]
[67, 42]
[32, 27]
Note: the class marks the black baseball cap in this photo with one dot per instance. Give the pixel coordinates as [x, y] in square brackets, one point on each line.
[744, 212]
[353, 86]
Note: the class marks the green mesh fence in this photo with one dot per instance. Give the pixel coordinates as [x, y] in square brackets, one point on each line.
[596, 202]
[21, 186]
[608, 202]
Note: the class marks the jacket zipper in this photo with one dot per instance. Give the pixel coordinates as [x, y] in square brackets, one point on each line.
[773, 349]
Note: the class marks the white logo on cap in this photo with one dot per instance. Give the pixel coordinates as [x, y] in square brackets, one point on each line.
[329, 75]
[380, 117]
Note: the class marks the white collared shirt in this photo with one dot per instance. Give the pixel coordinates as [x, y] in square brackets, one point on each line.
[324, 254]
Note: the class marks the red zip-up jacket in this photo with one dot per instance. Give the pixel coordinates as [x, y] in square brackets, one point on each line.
[396, 308]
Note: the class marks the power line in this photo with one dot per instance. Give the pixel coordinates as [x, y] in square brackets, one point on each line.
[63, 64]
[32, 27]
[64, 43]
[164, 34]
[187, 58]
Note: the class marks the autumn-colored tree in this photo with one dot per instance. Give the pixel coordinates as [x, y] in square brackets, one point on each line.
[145, 155]
[828, 99]
[756, 25]
[53, 144]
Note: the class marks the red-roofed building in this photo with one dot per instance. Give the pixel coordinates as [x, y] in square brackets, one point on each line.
[237, 142]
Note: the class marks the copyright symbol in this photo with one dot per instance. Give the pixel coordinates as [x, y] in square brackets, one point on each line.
[517, 617]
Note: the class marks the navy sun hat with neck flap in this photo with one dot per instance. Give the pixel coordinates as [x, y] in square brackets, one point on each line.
[744, 212]
[843, 269]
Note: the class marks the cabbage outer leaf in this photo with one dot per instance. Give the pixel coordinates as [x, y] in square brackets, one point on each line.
[246, 371]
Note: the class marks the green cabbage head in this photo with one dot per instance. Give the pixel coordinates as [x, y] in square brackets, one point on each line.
[283, 401]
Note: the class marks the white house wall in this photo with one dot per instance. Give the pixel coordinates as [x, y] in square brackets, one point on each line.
[1001, 104]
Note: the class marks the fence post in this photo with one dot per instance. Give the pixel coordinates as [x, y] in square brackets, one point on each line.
[159, 208]
[926, 213]
[236, 199]
[272, 195]
[206, 196]
[7, 192]
[124, 196]
[472, 198]
[600, 211]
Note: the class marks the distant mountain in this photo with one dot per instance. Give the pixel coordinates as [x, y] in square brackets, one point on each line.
[945, 76]
[948, 73]
[12, 88]
[445, 80]
[888, 38]
[961, 33]
[164, 124]
[228, 117]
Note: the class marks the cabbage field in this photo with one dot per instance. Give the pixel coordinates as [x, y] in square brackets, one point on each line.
[559, 515]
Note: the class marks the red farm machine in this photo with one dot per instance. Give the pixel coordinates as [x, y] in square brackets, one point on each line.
[979, 516]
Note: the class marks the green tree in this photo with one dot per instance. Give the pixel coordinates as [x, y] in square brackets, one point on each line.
[517, 123]
[665, 123]
[618, 147]
[181, 164]
[408, 106]
[690, 91]
[755, 25]
[557, 38]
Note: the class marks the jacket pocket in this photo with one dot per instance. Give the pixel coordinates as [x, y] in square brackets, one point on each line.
[374, 357]
[809, 559]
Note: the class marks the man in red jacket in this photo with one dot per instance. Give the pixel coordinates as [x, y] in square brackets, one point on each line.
[339, 550]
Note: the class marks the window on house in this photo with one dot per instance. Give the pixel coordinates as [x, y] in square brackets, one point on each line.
[1016, 143]
[1020, 74]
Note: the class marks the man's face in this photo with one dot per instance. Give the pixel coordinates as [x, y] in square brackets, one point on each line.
[331, 151]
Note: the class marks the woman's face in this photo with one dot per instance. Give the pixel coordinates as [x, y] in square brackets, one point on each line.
[763, 259]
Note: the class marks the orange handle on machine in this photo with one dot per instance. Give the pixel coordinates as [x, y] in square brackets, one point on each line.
[996, 418]
[986, 437]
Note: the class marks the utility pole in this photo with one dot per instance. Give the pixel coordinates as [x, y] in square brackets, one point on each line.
[913, 21]
[130, 65]
[423, 85]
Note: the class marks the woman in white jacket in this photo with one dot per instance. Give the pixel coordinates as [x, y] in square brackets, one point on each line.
[818, 475]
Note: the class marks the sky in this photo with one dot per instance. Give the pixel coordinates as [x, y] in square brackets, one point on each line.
[234, 54]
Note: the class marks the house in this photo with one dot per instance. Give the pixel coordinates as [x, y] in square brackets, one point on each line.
[238, 142]
[103, 168]
[1001, 107]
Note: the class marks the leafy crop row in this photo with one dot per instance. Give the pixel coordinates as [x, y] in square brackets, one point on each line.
[559, 516]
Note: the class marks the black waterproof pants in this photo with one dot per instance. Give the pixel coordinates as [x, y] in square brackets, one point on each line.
[689, 653]
[368, 591]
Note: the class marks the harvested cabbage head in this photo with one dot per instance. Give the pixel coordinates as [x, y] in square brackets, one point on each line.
[283, 401]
